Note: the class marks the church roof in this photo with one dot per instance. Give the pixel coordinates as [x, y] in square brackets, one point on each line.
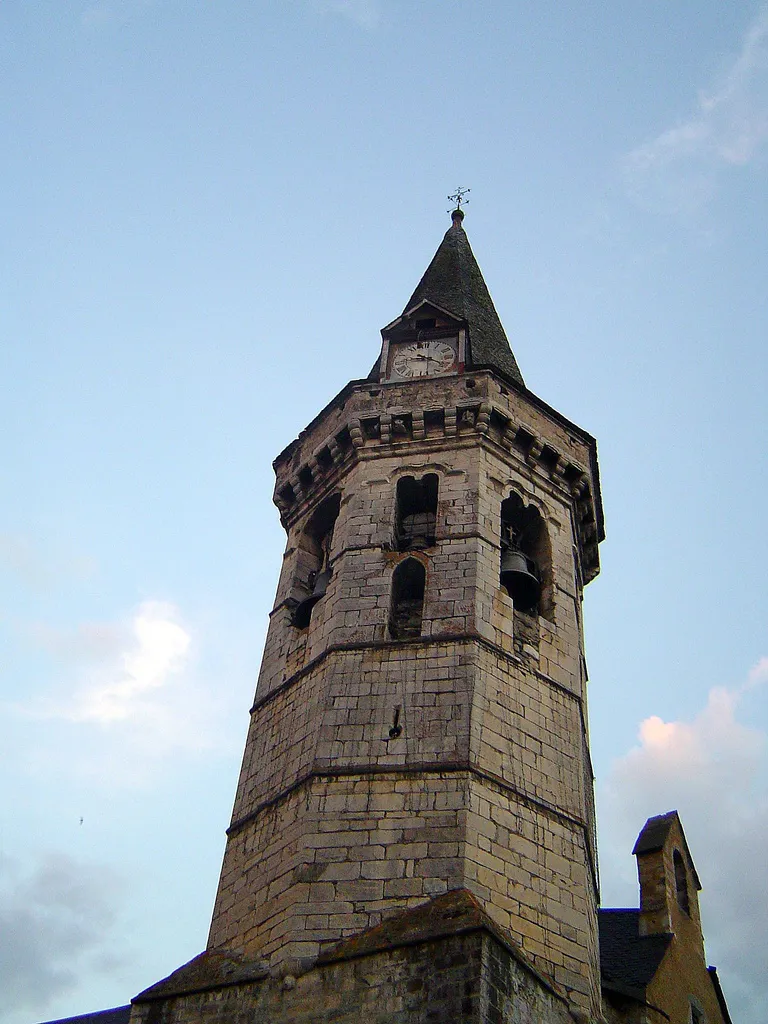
[117, 1015]
[214, 968]
[453, 282]
[628, 960]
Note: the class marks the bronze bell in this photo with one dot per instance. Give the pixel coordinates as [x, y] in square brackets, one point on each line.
[303, 611]
[520, 577]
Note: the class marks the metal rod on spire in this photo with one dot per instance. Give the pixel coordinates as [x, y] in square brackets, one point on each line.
[458, 198]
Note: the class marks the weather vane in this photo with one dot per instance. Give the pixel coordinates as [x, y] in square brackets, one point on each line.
[458, 197]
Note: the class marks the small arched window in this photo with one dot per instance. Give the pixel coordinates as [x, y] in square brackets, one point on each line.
[681, 882]
[313, 564]
[408, 582]
[697, 1014]
[416, 512]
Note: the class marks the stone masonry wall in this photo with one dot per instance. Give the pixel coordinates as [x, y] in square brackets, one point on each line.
[380, 772]
[332, 857]
[462, 979]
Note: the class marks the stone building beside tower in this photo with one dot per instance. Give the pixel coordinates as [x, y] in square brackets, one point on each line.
[413, 836]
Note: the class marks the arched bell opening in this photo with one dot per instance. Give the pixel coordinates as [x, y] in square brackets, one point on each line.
[313, 567]
[526, 560]
[407, 608]
[416, 514]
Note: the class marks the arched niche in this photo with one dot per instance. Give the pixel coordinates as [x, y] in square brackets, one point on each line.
[524, 529]
[416, 512]
[313, 568]
[407, 604]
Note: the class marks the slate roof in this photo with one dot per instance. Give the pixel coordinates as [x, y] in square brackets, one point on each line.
[654, 832]
[117, 1015]
[453, 282]
[212, 969]
[628, 960]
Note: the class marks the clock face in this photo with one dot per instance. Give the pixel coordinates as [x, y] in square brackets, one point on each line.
[422, 359]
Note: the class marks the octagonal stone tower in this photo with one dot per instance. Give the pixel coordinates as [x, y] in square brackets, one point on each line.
[420, 718]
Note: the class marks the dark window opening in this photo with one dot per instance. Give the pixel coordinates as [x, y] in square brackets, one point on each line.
[434, 422]
[288, 495]
[325, 459]
[408, 582]
[548, 458]
[313, 569]
[681, 882]
[498, 424]
[571, 473]
[344, 439]
[402, 427]
[416, 512]
[523, 440]
[305, 477]
[371, 428]
[526, 560]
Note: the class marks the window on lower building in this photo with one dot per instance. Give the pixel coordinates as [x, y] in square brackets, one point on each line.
[697, 1014]
[681, 882]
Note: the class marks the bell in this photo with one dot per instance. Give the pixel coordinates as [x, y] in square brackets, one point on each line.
[519, 576]
[303, 611]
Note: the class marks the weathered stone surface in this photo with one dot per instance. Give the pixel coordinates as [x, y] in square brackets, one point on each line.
[445, 962]
[397, 753]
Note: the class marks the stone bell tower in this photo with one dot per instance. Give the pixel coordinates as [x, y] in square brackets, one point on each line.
[419, 726]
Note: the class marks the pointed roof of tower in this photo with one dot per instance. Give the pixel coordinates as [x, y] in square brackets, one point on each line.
[453, 282]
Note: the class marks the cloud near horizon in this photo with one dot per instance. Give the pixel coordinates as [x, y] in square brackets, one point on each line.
[713, 770]
[678, 170]
[55, 919]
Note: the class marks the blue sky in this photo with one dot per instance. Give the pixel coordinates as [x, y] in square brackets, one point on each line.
[209, 210]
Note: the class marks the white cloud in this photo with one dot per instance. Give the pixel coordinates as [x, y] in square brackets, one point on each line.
[365, 13]
[54, 921]
[712, 769]
[678, 170]
[125, 690]
[124, 695]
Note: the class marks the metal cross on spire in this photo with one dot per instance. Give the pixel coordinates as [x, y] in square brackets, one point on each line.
[458, 197]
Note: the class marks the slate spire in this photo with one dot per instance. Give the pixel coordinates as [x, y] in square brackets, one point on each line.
[453, 281]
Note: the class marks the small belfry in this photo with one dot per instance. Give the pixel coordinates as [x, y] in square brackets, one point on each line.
[419, 724]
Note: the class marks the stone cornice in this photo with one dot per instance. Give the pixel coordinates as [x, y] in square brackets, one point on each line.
[377, 419]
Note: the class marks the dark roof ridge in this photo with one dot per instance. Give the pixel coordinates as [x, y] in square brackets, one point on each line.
[213, 968]
[114, 1015]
